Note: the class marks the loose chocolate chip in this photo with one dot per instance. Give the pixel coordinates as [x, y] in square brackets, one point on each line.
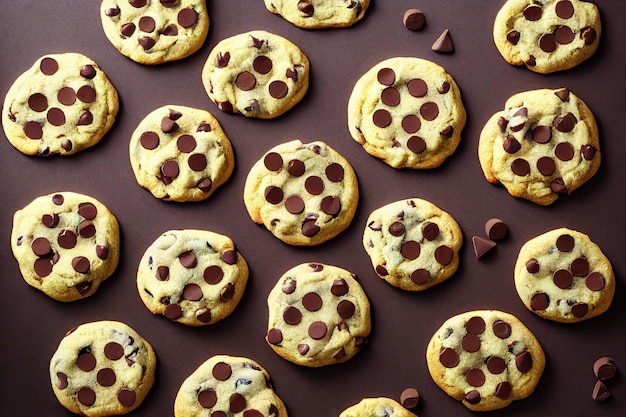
[50, 220]
[444, 43]
[197, 162]
[86, 361]
[547, 42]
[126, 397]
[579, 267]
[564, 151]
[600, 392]
[565, 243]
[501, 329]
[524, 362]
[292, 316]
[331, 205]
[66, 239]
[503, 390]
[413, 19]
[470, 343]
[420, 276]
[564, 35]
[429, 111]
[317, 330]
[314, 185]
[449, 358]
[513, 37]
[410, 249]
[48, 66]
[546, 166]
[146, 24]
[113, 351]
[278, 89]
[417, 87]
[604, 368]
[312, 301]
[565, 123]
[381, 118]
[339, 287]
[187, 17]
[472, 397]
[595, 281]
[511, 145]
[562, 278]
[444, 255]
[579, 310]
[262, 64]
[564, 9]
[162, 273]
[482, 246]
[245, 81]
[520, 167]
[475, 377]
[81, 264]
[589, 35]
[496, 229]
[409, 398]
[38, 102]
[86, 396]
[33, 130]
[386, 76]
[532, 12]
[539, 301]
[411, 123]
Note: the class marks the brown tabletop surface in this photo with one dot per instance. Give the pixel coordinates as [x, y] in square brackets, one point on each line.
[402, 322]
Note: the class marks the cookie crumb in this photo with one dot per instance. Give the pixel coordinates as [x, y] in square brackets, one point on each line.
[414, 19]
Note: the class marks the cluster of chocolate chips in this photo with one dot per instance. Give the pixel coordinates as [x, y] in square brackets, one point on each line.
[313, 185]
[411, 123]
[604, 369]
[105, 376]
[65, 98]
[495, 229]
[564, 278]
[237, 403]
[185, 143]
[211, 275]
[186, 18]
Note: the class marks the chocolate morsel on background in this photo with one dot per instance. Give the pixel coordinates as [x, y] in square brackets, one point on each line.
[443, 44]
[604, 368]
[496, 229]
[482, 246]
[409, 398]
[600, 392]
[414, 19]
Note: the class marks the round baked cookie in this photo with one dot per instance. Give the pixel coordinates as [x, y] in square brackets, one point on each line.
[61, 105]
[547, 35]
[543, 144]
[412, 244]
[316, 14]
[102, 368]
[194, 277]
[376, 407]
[228, 385]
[180, 154]
[408, 112]
[257, 74]
[155, 31]
[563, 276]
[318, 315]
[486, 359]
[304, 193]
[65, 244]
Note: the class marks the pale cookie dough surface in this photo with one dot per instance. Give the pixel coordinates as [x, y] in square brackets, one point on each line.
[194, 277]
[316, 14]
[547, 35]
[66, 244]
[486, 359]
[102, 368]
[543, 144]
[318, 315]
[256, 74]
[408, 112]
[412, 244]
[563, 276]
[303, 193]
[61, 105]
[181, 154]
[376, 407]
[155, 31]
[228, 386]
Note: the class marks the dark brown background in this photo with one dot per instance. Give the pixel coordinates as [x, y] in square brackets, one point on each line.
[33, 324]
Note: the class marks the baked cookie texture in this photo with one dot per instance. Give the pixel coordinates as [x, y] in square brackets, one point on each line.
[412, 244]
[547, 35]
[318, 315]
[153, 32]
[317, 14]
[194, 277]
[256, 74]
[408, 112]
[61, 105]
[181, 154]
[102, 368]
[486, 359]
[376, 407]
[544, 144]
[228, 385]
[303, 193]
[562, 275]
[65, 244]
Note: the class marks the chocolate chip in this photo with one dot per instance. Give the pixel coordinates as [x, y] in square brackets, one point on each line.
[511, 145]
[137, 3]
[520, 167]
[600, 392]
[334, 172]
[386, 76]
[339, 287]
[41, 246]
[317, 330]
[579, 310]
[501, 329]
[33, 130]
[482, 246]
[66, 239]
[503, 390]
[38, 102]
[197, 162]
[409, 398]
[113, 351]
[262, 64]
[417, 87]
[43, 267]
[273, 194]
[589, 35]
[562, 278]
[413, 19]
[330, 205]
[126, 397]
[470, 343]
[541, 134]
[106, 377]
[86, 229]
[564, 35]
[112, 12]
[295, 168]
[278, 89]
[346, 309]
[524, 362]
[48, 66]
[444, 255]
[292, 316]
[429, 111]
[564, 151]
[513, 37]
[532, 12]
[604, 368]
[565, 243]
[86, 396]
[274, 336]
[420, 276]
[55, 117]
[86, 361]
[579, 267]
[444, 43]
[546, 166]
[186, 143]
[564, 9]
[475, 377]
[496, 229]
[411, 123]
[475, 325]
[306, 8]
[303, 349]
[565, 123]
[88, 71]
[81, 264]
[558, 186]
[410, 249]
[169, 171]
[146, 24]
[294, 204]
[595, 281]
[168, 125]
[149, 140]
[192, 292]
[532, 266]
[312, 301]
[563, 94]
[66, 96]
[57, 199]
[227, 292]
[187, 17]
[207, 398]
[309, 228]
[188, 259]
[396, 229]
[472, 397]
[162, 273]
[448, 358]
[245, 81]
[50, 220]
[230, 257]
[222, 59]
[86, 94]
[539, 301]
[390, 97]
[547, 42]
[381, 118]
[314, 185]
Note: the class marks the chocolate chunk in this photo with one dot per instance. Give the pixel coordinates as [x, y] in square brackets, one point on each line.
[187, 17]
[600, 392]
[444, 43]
[513, 37]
[409, 398]
[604, 368]
[448, 358]
[386, 76]
[482, 246]
[532, 12]
[413, 19]
[278, 89]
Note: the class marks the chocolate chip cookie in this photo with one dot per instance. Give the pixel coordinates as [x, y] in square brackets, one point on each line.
[486, 359]
[194, 277]
[66, 244]
[318, 315]
[412, 244]
[102, 368]
[408, 112]
[153, 32]
[256, 74]
[376, 407]
[61, 105]
[548, 35]
[228, 385]
[562, 275]
[181, 154]
[304, 193]
[316, 14]
[544, 144]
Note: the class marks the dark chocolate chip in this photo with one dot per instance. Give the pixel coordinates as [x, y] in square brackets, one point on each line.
[501, 329]
[168, 125]
[197, 162]
[113, 351]
[222, 59]
[565, 243]
[410, 249]
[547, 42]
[532, 12]
[411, 123]
[564, 9]
[563, 94]
[207, 398]
[564, 35]
[482, 246]
[339, 287]
[146, 24]
[429, 111]
[589, 35]
[292, 316]
[539, 301]
[48, 66]
[38, 102]
[273, 195]
[420, 276]
[317, 330]
[278, 89]
[188, 259]
[416, 144]
[513, 37]
[331, 205]
[312, 301]
[314, 185]
[542, 134]
[470, 343]
[520, 167]
[381, 118]
[600, 392]
[106, 377]
[414, 19]
[565, 123]
[417, 87]
[562, 278]
[546, 166]
[604, 368]
[444, 255]
[579, 267]
[245, 81]
[187, 17]
[294, 204]
[475, 377]
[564, 151]
[386, 76]
[444, 43]
[496, 229]
[126, 397]
[448, 358]
[580, 310]
[390, 97]
[430, 230]
[409, 398]
[503, 390]
[595, 281]
[88, 71]
[524, 362]
[86, 396]
[33, 130]
[472, 397]
[81, 264]
[149, 140]
[295, 167]
[511, 145]
[262, 64]
[346, 309]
